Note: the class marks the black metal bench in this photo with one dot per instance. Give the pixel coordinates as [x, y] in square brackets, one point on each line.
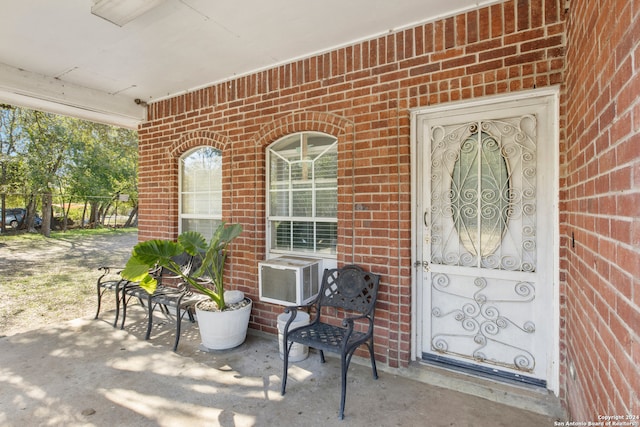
[172, 296]
[174, 301]
[355, 292]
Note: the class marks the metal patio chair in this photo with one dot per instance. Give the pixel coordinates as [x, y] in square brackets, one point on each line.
[110, 280]
[354, 292]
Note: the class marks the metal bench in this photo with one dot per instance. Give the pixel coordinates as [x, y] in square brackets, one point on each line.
[174, 301]
[172, 296]
[353, 291]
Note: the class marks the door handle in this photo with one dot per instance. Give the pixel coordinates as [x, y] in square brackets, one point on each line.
[423, 264]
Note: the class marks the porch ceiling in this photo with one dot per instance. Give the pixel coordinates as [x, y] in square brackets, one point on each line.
[58, 56]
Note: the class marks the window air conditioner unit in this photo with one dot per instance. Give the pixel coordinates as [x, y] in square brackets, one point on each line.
[289, 280]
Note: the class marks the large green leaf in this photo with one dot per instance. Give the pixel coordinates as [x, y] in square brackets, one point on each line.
[135, 270]
[192, 242]
[229, 233]
[138, 271]
[210, 263]
[224, 235]
[158, 252]
[149, 284]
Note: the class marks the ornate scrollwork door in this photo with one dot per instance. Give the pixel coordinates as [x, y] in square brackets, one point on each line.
[487, 238]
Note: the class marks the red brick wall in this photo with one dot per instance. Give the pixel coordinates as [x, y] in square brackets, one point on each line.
[602, 208]
[361, 94]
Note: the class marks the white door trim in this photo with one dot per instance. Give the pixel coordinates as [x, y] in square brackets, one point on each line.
[552, 94]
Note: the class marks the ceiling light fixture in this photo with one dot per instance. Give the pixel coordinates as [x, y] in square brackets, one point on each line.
[120, 12]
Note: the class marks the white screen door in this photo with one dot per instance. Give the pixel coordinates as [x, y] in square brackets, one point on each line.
[486, 226]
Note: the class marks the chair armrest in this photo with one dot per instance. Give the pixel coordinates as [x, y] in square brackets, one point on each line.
[109, 268]
[349, 323]
[107, 271]
[293, 309]
[155, 269]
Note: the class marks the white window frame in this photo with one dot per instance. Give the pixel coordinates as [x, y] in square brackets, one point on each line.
[322, 253]
[215, 218]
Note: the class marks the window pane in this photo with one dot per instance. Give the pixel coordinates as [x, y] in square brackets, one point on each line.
[327, 203]
[303, 235]
[299, 236]
[289, 147]
[326, 166]
[204, 226]
[302, 203]
[302, 173]
[317, 145]
[279, 170]
[327, 236]
[279, 203]
[303, 177]
[202, 203]
[202, 170]
[281, 235]
[188, 203]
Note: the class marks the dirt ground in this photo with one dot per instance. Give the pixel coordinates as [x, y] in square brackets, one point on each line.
[45, 281]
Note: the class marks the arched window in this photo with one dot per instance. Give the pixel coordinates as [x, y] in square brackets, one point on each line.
[201, 190]
[302, 191]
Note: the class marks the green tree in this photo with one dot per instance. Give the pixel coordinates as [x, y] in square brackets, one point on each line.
[104, 164]
[81, 161]
[11, 167]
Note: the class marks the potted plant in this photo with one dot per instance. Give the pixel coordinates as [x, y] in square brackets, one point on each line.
[222, 325]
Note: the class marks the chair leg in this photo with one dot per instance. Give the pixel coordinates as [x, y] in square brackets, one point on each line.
[373, 361]
[117, 295]
[150, 323]
[322, 356]
[115, 321]
[190, 313]
[178, 325]
[286, 348]
[125, 300]
[99, 302]
[344, 365]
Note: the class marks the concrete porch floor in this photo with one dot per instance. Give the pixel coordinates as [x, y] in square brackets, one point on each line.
[86, 373]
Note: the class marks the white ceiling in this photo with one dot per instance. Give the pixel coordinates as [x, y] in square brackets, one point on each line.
[55, 55]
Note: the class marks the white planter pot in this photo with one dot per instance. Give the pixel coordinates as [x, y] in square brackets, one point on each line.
[221, 330]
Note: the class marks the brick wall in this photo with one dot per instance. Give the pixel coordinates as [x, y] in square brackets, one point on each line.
[361, 94]
[602, 208]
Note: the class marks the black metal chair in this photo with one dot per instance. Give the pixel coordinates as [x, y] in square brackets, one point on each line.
[171, 294]
[353, 290]
[110, 280]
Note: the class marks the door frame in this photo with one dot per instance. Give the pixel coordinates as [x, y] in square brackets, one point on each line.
[550, 95]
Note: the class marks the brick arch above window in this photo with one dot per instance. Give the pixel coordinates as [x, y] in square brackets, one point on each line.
[197, 139]
[304, 121]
